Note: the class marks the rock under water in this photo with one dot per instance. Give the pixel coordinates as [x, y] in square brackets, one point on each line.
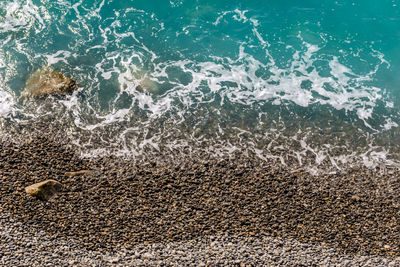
[148, 85]
[47, 81]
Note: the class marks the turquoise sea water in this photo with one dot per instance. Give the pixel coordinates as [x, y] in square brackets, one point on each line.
[317, 82]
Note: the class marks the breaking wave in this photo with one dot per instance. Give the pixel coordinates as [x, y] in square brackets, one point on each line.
[146, 87]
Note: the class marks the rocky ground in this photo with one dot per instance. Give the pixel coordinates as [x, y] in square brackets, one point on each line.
[24, 246]
[192, 209]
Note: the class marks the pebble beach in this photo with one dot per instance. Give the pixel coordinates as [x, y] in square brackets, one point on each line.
[177, 209]
[199, 133]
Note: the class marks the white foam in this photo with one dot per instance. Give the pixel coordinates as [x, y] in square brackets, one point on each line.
[389, 124]
[6, 99]
[21, 16]
[167, 103]
[242, 72]
[59, 56]
[240, 15]
[6, 103]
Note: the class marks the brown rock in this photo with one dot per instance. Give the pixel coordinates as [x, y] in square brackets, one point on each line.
[76, 173]
[47, 81]
[44, 190]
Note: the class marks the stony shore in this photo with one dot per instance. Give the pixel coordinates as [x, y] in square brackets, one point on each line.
[191, 209]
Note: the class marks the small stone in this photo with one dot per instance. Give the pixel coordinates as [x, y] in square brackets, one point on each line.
[44, 190]
[114, 260]
[76, 173]
[147, 255]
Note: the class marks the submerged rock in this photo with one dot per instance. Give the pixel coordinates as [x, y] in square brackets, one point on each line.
[47, 81]
[148, 85]
[44, 190]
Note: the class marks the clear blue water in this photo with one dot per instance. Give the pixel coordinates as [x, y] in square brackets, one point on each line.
[313, 81]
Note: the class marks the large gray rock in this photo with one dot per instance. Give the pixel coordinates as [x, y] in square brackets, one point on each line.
[47, 81]
[44, 190]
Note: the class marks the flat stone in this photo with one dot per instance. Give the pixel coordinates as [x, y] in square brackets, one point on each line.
[44, 190]
[47, 81]
[77, 173]
[114, 260]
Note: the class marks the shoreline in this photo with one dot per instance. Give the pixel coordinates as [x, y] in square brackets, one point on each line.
[175, 199]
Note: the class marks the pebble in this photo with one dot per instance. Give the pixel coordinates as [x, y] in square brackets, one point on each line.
[188, 210]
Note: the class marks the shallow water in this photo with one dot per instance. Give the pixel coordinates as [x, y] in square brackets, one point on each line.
[312, 82]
